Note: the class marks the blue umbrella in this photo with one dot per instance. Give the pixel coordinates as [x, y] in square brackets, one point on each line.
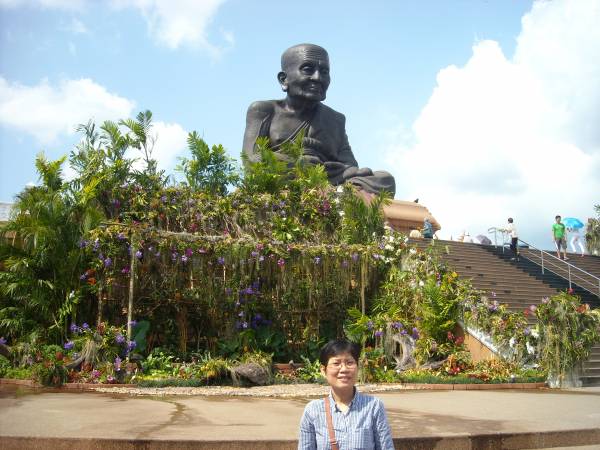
[572, 222]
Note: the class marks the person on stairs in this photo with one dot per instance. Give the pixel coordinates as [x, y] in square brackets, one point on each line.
[559, 235]
[511, 229]
[576, 239]
[427, 229]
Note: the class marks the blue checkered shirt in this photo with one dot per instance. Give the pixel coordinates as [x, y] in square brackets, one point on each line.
[363, 426]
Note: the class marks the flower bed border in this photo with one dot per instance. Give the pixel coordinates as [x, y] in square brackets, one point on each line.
[67, 386]
[385, 386]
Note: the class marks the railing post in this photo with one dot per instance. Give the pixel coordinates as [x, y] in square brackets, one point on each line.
[542, 254]
[569, 266]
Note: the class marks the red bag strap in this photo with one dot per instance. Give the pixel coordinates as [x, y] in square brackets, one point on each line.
[332, 440]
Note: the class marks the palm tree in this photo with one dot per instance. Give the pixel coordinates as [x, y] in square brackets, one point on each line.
[40, 285]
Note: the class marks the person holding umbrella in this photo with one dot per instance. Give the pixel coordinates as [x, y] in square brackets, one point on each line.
[573, 226]
[559, 237]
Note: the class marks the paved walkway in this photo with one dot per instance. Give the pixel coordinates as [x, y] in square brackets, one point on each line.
[419, 419]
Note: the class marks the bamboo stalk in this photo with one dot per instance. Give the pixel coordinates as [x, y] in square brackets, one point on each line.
[132, 266]
[363, 282]
[100, 304]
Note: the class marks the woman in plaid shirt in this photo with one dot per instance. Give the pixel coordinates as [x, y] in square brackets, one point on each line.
[358, 420]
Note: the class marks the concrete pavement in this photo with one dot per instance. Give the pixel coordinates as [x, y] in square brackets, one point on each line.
[31, 418]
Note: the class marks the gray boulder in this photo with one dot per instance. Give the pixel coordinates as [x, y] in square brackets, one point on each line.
[251, 373]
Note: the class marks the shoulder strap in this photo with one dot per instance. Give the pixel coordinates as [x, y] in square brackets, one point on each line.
[332, 440]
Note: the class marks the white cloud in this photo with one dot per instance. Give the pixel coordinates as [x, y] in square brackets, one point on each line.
[76, 26]
[72, 49]
[175, 23]
[172, 23]
[47, 111]
[170, 142]
[514, 137]
[68, 5]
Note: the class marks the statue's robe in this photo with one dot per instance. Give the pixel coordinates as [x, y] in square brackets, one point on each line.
[325, 138]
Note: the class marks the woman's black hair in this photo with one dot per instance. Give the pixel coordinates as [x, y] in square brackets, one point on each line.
[338, 347]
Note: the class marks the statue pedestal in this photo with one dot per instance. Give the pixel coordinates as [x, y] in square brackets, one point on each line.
[404, 216]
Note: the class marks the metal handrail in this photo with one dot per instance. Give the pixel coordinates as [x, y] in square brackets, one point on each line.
[552, 261]
[502, 234]
[572, 270]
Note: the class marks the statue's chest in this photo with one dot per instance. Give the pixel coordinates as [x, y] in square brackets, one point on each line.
[282, 127]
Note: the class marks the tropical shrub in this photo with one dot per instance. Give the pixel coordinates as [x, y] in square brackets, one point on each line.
[567, 332]
[592, 235]
[510, 331]
[39, 288]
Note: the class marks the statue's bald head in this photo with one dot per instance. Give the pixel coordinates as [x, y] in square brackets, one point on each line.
[303, 51]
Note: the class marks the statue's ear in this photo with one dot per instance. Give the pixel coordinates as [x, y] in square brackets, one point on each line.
[282, 78]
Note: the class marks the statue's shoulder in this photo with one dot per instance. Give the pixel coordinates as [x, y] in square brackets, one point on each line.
[332, 114]
[262, 108]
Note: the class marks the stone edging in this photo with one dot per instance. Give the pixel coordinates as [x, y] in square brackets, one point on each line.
[281, 390]
[502, 439]
[68, 386]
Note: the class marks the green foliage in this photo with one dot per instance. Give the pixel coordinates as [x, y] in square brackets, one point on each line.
[161, 369]
[139, 333]
[5, 366]
[310, 372]
[285, 169]
[257, 357]
[428, 377]
[359, 326]
[420, 298]
[374, 366]
[139, 136]
[101, 167]
[362, 219]
[270, 174]
[210, 169]
[18, 373]
[438, 310]
[509, 331]
[40, 285]
[50, 373]
[159, 361]
[592, 235]
[269, 271]
[567, 332]
[96, 349]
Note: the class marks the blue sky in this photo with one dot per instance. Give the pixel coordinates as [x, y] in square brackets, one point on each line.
[482, 109]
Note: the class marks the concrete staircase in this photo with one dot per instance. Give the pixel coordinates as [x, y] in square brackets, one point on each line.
[591, 368]
[583, 271]
[518, 284]
[555, 274]
[498, 277]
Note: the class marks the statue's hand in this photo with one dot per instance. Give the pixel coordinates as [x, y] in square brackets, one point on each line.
[310, 160]
[352, 172]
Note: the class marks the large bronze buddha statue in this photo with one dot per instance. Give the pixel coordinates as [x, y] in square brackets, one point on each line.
[305, 77]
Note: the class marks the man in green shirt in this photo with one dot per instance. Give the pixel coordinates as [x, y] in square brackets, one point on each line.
[558, 234]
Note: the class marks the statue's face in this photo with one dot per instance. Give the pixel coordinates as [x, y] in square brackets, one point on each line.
[306, 74]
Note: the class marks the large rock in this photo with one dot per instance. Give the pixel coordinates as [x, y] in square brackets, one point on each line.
[252, 373]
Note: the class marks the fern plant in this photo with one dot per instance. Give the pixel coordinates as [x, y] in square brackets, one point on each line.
[210, 169]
